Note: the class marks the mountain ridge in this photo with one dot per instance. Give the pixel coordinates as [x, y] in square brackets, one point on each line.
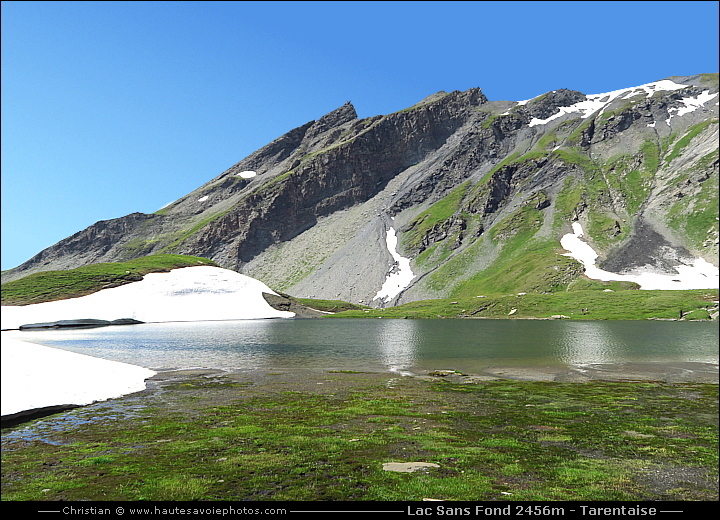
[476, 191]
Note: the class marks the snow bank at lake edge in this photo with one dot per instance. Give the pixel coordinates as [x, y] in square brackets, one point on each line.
[199, 293]
[36, 376]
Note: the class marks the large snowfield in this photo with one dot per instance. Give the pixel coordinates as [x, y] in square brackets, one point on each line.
[201, 293]
[35, 376]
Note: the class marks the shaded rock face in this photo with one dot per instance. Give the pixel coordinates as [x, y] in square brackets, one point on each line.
[333, 179]
[456, 176]
[282, 303]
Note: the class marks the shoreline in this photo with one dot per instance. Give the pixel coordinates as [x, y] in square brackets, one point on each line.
[664, 372]
[310, 379]
[313, 379]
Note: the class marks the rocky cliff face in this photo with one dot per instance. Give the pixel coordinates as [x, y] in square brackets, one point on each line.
[478, 192]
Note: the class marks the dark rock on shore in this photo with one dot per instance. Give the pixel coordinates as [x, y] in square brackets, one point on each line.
[283, 303]
[14, 419]
[79, 324]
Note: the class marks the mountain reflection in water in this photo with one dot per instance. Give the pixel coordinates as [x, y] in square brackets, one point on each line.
[391, 345]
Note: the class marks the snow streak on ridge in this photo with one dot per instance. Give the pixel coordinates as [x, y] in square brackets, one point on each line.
[596, 102]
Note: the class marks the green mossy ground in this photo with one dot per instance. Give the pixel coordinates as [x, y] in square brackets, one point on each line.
[326, 438]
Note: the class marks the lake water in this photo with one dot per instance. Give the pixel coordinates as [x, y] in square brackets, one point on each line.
[413, 346]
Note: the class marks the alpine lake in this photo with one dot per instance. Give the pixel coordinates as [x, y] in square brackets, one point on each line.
[319, 410]
[406, 346]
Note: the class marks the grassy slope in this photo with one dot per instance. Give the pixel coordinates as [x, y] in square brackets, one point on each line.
[526, 263]
[59, 285]
[601, 305]
[328, 305]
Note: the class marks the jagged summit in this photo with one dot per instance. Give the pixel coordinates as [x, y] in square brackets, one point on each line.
[431, 98]
[337, 117]
[477, 194]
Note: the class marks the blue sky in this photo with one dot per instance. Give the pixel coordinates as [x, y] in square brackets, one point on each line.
[114, 107]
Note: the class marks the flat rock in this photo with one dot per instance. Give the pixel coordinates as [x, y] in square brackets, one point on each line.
[408, 467]
[443, 373]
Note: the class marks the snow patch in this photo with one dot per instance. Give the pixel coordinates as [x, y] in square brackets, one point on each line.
[691, 104]
[598, 102]
[247, 174]
[700, 275]
[400, 274]
[35, 376]
[203, 199]
[199, 293]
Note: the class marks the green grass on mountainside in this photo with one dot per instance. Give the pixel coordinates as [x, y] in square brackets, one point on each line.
[605, 300]
[697, 217]
[600, 304]
[59, 285]
[436, 214]
[693, 132]
[537, 269]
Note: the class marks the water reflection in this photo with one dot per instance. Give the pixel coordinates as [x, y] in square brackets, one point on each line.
[629, 341]
[586, 342]
[396, 345]
[399, 342]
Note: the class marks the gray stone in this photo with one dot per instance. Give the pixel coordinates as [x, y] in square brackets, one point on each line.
[408, 467]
